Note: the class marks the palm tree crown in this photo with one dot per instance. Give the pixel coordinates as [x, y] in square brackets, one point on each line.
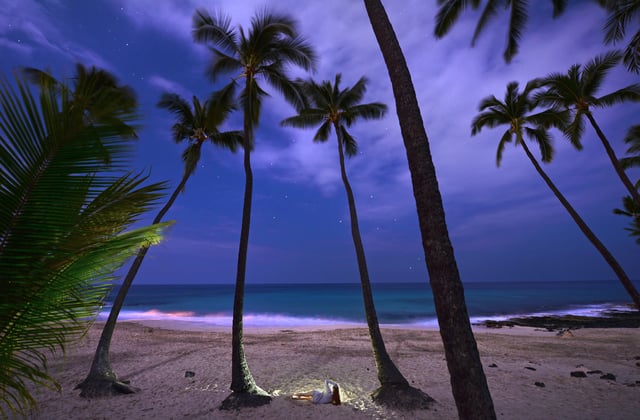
[199, 122]
[577, 91]
[272, 43]
[330, 106]
[514, 112]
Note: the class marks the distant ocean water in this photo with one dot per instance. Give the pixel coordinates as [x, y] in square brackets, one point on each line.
[410, 304]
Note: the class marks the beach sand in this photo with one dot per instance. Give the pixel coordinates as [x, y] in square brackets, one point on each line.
[528, 371]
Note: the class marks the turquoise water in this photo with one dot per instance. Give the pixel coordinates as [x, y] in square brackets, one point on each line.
[396, 303]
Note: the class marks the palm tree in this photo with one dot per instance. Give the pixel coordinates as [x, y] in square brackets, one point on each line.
[332, 107]
[514, 112]
[468, 381]
[264, 52]
[577, 89]
[195, 124]
[65, 209]
[450, 11]
[621, 14]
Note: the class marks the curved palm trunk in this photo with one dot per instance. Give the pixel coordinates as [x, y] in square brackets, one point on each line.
[614, 160]
[613, 263]
[101, 379]
[242, 381]
[388, 373]
[468, 381]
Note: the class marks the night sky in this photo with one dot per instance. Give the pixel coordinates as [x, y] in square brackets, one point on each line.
[505, 224]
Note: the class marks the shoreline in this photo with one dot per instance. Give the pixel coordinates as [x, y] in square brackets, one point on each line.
[607, 319]
[529, 371]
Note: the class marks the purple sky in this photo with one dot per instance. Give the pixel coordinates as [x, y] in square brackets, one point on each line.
[505, 224]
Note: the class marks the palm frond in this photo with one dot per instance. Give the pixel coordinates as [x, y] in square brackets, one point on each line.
[215, 30]
[370, 111]
[323, 132]
[449, 12]
[621, 14]
[350, 96]
[220, 104]
[191, 157]
[492, 118]
[629, 93]
[543, 139]
[307, 118]
[222, 64]
[507, 136]
[633, 151]
[289, 89]
[488, 13]
[596, 70]
[64, 217]
[632, 54]
[349, 142]
[298, 52]
[231, 140]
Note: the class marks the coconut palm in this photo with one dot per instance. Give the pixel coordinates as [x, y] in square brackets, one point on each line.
[65, 207]
[334, 108]
[264, 52]
[622, 12]
[195, 125]
[577, 89]
[449, 12]
[468, 381]
[515, 112]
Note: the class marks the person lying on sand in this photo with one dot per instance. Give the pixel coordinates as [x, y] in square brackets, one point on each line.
[331, 394]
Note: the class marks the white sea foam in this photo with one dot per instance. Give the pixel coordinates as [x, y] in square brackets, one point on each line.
[225, 320]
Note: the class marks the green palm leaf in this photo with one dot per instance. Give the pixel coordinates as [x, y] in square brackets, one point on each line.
[65, 210]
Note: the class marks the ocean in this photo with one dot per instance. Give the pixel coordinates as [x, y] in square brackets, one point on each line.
[408, 304]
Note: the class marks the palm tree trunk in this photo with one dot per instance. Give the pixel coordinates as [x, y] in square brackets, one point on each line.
[614, 160]
[468, 381]
[241, 379]
[101, 379]
[388, 373]
[613, 263]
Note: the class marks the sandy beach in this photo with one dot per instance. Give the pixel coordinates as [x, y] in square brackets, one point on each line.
[529, 372]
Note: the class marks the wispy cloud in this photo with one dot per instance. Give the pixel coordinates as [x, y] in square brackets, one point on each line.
[171, 86]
